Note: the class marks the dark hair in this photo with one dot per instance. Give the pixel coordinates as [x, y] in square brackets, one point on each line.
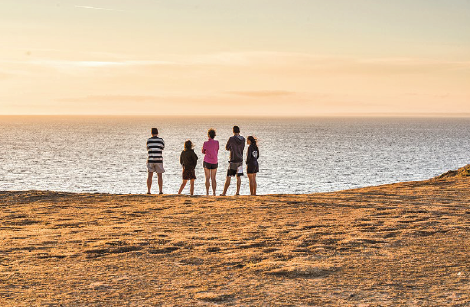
[188, 145]
[253, 140]
[154, 131]
[211, 133]
[236, 129]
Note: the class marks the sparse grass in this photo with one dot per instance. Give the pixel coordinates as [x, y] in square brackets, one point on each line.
[461, 172]
[406, 244]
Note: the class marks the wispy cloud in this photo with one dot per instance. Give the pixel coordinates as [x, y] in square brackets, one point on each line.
[96, 64]
[96, 8]
[113, 98]
[261, 63]
[5, 75]
[262, 94]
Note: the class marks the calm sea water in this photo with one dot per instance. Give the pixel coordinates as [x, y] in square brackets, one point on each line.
[108, 154]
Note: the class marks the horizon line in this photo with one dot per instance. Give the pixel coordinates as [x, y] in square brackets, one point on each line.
[383, 115]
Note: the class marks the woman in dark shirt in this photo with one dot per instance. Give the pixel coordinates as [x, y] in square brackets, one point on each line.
[188, 160]
[252, 163]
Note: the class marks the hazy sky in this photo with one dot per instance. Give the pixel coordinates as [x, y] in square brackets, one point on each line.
[238, 57]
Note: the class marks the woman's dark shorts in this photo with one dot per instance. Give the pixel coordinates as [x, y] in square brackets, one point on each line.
[189, 174]
[210, 165]
[252, 168]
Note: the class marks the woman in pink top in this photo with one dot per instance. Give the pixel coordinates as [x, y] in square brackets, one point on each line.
[210, 149]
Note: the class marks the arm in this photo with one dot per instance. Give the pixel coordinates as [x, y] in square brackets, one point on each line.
[181, 159]
[227, 147]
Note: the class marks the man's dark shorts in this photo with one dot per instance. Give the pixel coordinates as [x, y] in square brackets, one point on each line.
[235, 168]
[210, 165]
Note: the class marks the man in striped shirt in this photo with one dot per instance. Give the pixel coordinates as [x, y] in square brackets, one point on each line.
[155, 146]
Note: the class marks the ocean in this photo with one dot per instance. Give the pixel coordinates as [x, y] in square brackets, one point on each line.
[108, 154]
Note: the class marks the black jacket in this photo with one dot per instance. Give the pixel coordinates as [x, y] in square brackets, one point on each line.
[252, 155]
[188, 159]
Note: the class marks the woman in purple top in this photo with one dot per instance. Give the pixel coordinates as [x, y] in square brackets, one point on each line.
[210, 149]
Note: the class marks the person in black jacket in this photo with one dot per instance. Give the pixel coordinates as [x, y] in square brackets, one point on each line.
[252, 163]
[188, 160]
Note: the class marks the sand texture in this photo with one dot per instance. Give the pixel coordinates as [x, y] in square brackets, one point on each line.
[406, 244]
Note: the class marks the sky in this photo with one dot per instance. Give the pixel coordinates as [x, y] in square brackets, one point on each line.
[234, 58]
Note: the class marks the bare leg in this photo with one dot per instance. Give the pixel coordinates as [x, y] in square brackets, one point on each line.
[227, 184]
[182, 186]
[160, 182]
[255, 185]
[214, 182]
[207, 173]
[149, 182]
[191, 190]
[239, 183]
[250, 178]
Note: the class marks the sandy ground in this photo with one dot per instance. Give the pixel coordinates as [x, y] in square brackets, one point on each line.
[405, 244]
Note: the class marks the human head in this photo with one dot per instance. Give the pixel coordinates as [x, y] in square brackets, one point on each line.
[154, 131]
[236, 129]
[251, 140]
[211, 133]
[188, 145]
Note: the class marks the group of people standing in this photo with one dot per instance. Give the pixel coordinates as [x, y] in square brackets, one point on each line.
[210, 149]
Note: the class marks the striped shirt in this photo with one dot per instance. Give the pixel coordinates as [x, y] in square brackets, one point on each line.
[155, 146]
